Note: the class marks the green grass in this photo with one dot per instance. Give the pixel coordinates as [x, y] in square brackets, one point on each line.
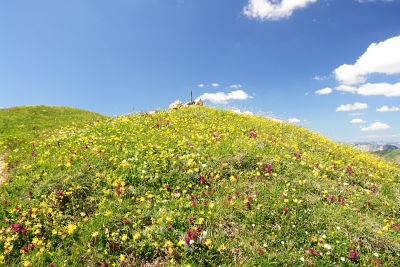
[390, 154]
[197, 186]
[20, 124]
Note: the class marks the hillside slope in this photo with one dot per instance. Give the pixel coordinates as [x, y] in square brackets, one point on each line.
[197, 186]
[390, 154]
[22, 123]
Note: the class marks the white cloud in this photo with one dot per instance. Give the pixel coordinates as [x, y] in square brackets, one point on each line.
[376, 126]
[201, 85]
[235, 86]
[222, 98]
[383, 57]
[238, 111]
[357, 121]
[369, 1]
[386, 109]
[293, 120]
[320, 78]
[215, 84]
[350, 107]
[346, 88]
[273, 9]
[385, 89]
[324, 91]
[381, 136]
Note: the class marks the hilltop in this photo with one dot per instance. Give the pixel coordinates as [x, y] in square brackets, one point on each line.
[197, 186]
[18, 124]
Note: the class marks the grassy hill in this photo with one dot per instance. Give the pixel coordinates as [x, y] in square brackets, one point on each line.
[197, 186]
[390, 154]
[20, 124]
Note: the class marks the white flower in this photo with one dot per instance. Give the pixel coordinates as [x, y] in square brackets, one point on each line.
[191, 242]
[376, 254]
[282, 242]
[265, 245]
[183, 242]
[342, 259]
[306, 233]
[203, 165]
[338, 228]
[327, 246]
[302, 259]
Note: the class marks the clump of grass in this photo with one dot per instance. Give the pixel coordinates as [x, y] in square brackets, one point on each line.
[197, 186]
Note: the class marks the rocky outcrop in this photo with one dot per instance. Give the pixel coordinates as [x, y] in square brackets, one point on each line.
[178, 104]
[175, 105]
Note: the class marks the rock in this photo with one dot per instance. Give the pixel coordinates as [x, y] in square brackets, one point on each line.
[175, 105]
[198, 102]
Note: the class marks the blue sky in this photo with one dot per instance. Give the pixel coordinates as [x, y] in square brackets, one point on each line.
[121, 56]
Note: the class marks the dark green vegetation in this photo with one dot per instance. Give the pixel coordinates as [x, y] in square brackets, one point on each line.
[390, 154]
[19, 124]
[197, 186]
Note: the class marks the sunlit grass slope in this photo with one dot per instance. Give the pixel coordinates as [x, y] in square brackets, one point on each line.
[197, 186]
[20, 124]
[392, 154]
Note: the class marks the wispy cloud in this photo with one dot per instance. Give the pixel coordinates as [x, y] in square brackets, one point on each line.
[357, 121]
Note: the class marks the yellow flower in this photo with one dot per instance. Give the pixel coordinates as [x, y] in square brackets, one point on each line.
[27, 263]
[95, 234]
[136, 236]
[201, 220]
[122, 257]
[71, 228]
[124, 237]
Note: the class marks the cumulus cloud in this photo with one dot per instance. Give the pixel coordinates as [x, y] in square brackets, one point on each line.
[324, 91]
[357, 121]
[386, 109]
[293, 120]
[238, 111]
[222, 98]
[215, 84]
[351, 107]
[385, 89]
[383, 57]
[273, 9]
[201, 85]
[376, 126]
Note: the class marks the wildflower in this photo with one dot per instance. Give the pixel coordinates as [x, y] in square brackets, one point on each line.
[190, 219]
[95, 234]
[260, 250]
[122, 257]
[342, 259]
[71, 228]
[352, 255]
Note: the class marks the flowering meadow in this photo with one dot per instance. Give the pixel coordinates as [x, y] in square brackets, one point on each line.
[196, 186]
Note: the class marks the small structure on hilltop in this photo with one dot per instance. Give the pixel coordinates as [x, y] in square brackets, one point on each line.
[178, 104]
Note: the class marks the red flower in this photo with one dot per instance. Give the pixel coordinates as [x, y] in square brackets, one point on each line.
[191, 219]
[352, 255]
